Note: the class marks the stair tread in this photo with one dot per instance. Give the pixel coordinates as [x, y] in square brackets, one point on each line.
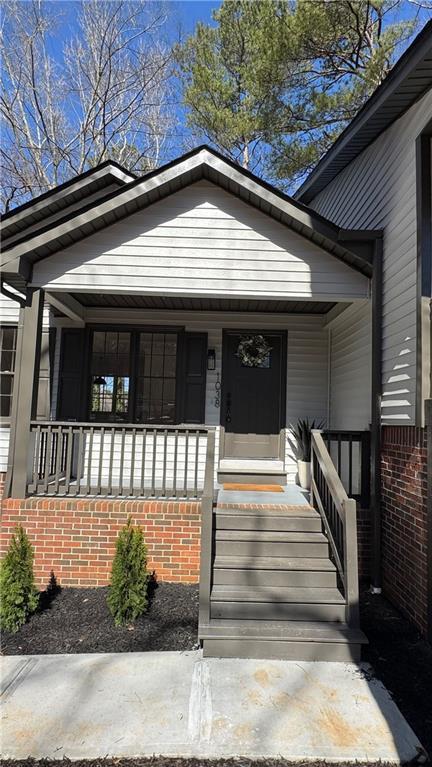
[248, 465]
[305, 631]
[277, 594]
[273, 563]
[279, 513]
[270, 536]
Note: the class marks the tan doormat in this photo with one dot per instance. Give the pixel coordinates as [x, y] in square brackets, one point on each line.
[254, 488]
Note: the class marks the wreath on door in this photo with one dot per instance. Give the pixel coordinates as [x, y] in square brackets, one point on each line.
[253, 350]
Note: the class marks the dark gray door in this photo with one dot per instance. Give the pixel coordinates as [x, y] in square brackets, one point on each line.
[253, 399]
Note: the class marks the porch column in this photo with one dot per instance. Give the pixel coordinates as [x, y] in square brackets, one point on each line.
[25, 391]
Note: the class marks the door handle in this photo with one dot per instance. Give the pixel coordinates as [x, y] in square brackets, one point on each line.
[228, 408]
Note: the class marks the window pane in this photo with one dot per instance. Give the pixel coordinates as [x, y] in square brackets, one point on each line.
[156, 378]
[98, 342]
[110, 367]
[170, 367]
[158, 343]
[8, 337]
[5, 405]
[157, 365]
[7, 361]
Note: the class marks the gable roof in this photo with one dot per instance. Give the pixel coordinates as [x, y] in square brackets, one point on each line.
[59, 199]
[203, 162]
[408, 81]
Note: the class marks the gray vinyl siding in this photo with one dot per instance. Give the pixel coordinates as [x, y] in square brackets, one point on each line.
[350, 337]
[378, 190]
[201, 241]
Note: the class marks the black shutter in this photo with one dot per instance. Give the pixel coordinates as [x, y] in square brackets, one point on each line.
[194, 376]
[72, 375]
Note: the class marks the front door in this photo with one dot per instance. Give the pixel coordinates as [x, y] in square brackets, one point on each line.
[253, 398]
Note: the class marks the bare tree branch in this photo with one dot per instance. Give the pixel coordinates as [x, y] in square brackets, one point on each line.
[107, 96]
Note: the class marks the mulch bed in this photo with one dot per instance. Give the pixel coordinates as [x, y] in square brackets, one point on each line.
[402, 660]
[163, 761]
[77, 620]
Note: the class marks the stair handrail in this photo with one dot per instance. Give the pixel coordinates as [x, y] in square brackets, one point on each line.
[207, 530]
[328, 496]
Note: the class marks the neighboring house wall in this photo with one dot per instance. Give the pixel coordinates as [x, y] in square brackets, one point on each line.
[9, 315]
[201, 241]
[378, 191]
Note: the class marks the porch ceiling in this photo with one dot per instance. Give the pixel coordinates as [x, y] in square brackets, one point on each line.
[202, 304]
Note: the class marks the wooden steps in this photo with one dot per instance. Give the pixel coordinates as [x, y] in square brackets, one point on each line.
[266, 471]
[285, 640]
[274, 591]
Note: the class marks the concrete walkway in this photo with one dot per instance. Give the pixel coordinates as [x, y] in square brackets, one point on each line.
[140, 704]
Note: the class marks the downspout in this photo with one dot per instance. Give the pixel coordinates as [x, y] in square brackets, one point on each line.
[375, 501]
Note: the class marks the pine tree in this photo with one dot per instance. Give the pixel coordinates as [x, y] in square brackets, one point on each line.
[19, 597]
[273, 83]
[127, 598]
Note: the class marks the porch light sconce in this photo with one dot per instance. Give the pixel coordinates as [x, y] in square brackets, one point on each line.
[211, 359]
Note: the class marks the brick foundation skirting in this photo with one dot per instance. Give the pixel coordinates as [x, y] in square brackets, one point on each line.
[76, 538]
[404, 520]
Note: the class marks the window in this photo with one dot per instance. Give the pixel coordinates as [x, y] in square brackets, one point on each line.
[110, 376]
[156, 385]
[8, 336]
[133, 376]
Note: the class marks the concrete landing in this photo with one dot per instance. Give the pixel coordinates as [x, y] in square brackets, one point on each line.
[177, 704]
[291, 495]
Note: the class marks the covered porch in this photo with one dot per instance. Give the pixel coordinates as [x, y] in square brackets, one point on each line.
[146, 393]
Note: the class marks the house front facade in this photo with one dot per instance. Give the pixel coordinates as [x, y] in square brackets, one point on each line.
[128, 308]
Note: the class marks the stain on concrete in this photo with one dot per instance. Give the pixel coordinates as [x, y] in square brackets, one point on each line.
[334, 726]
[261, 677]
[243, 732]
[255, 697]
[265, 677]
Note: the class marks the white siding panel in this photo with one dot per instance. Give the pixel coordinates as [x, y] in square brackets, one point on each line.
[9, 311]
[378, 190]
[4, 447]
[350, 369]
[201, 241]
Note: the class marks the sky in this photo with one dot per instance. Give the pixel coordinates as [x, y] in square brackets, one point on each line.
[182, 19]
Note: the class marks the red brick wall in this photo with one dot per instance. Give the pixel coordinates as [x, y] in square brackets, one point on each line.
[76, 538]
[404, 520]
[2, 482]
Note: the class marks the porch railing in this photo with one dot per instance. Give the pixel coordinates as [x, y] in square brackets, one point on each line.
[350, 453]
[339, 516]
[116, 460]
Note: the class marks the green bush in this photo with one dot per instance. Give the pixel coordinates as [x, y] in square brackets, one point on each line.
[19, 597]
[127, 598]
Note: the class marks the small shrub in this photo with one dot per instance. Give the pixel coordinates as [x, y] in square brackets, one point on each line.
[19, 597]
[127, 598]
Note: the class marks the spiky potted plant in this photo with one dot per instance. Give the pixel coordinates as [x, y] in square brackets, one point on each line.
[300, 442]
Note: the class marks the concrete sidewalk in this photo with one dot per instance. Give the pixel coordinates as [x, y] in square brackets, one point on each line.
[177, 704]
